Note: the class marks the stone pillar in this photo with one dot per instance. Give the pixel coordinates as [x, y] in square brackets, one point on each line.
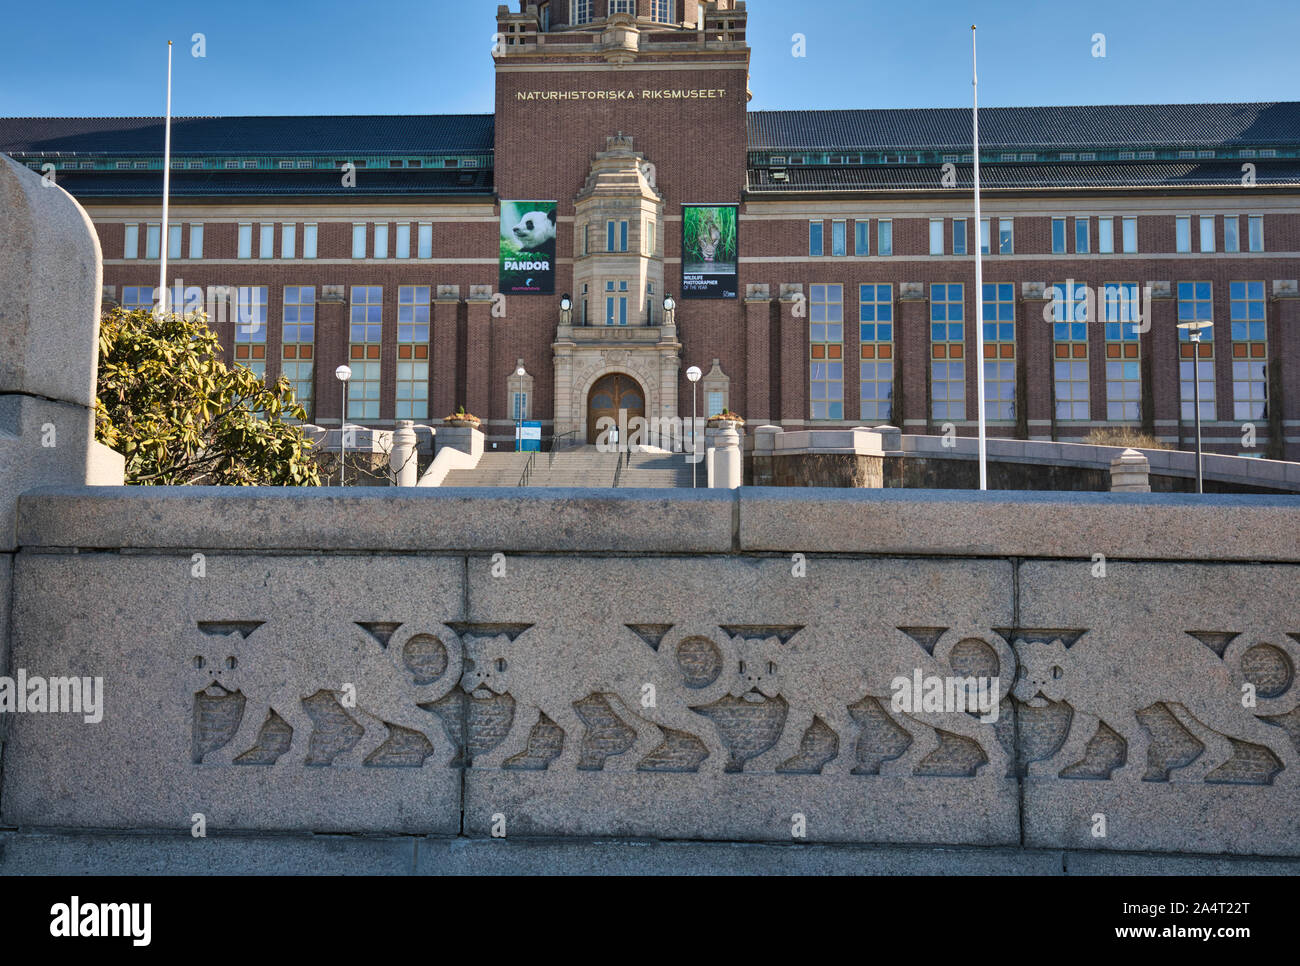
[764, 452]
[758, 353]
[912, 357]
[445, 395]
[467, 439]
[402, 459]
[51, 275]
[724, 460]
[1130, 472]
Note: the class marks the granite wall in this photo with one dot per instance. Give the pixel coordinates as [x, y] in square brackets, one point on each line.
[715, 665]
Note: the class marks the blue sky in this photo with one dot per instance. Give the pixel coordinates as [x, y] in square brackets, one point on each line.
[92, 57]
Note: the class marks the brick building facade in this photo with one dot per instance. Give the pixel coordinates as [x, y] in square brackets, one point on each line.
[376, 241]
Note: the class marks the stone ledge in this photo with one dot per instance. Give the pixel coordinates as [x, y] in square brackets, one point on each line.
[962, 523]
[388, 519]
[42, 852]
[1006, 523]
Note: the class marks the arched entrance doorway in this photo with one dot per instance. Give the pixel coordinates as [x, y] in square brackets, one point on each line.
[610, 395]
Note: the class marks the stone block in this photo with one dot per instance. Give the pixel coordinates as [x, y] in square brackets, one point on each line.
[1139, 676]
[291, 693]
[51, 277]
[769, 700]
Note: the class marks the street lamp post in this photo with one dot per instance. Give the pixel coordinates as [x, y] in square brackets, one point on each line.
[1193, 330]
[693, 374]
[519, 406]
[343, 374]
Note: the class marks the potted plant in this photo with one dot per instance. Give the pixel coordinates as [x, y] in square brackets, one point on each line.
[462, 418]
[726, 420]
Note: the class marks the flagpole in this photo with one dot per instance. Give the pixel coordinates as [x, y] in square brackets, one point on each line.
[163, 294]
[979, 266]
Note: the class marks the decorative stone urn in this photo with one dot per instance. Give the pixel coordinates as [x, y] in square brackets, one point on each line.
[725, 420]
[462, 419]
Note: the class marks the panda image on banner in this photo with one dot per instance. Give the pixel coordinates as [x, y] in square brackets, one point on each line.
[535, 231]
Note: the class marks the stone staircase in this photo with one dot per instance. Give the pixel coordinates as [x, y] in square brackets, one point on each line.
[581, 466]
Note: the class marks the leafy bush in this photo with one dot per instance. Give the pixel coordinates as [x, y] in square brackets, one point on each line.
[180, 415]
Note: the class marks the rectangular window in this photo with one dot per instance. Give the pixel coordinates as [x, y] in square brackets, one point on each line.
[174, 241]
[936, 236]
[1207, 233]
[402, 241]
[884, 236]
[412, 352]
[366, 315]
[1000, 350]
[826, 347]
[288, 240]
[1195, 304]
[245, 249]
[1058, 236]
[1130, 232]
[661, 11]
[1255, 230]
[518, 406]
[984, 237]
[425, 240]
[622, 236]
[153, 234]
[381, 240]
[1231, 233]
[815, 230]
[308, 241]
[266, 241]
[1081, 235]
[959, 236]
[359, 241]
[196, 241]
[1249, 350]
[609, 236]
[876, 338]
[1106, 235]
[862, 236]
[648, 239]
[616, 304]
[580, 10]
[838, 240]
[131, 241]
[1123, 350]
[137, 297]
[1070, 350]
[1183, 233]
[298, 341]
[947, 351]
[250, 328]
[1006, 237]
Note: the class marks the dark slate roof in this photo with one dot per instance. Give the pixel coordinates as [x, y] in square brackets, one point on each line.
[1110, 126]
[324, 185]
[1106, 174]
[356, 134]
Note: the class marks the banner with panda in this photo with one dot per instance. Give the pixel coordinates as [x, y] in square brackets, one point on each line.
[528, 247]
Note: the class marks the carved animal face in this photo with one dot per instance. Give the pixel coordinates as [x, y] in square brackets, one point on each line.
[217, 668]
[534, 230]
[1042, 675]
[487, 666]
[758, 672]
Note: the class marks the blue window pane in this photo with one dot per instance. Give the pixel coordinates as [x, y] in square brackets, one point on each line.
[885, 332]
[990, 331]
[1256, 310]
[955, 332]
[885, 313]
[937, 333]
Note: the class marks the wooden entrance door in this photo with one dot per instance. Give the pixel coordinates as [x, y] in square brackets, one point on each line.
[608, 396]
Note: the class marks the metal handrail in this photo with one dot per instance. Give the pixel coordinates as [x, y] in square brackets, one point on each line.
[528, 469]
[623, 459]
